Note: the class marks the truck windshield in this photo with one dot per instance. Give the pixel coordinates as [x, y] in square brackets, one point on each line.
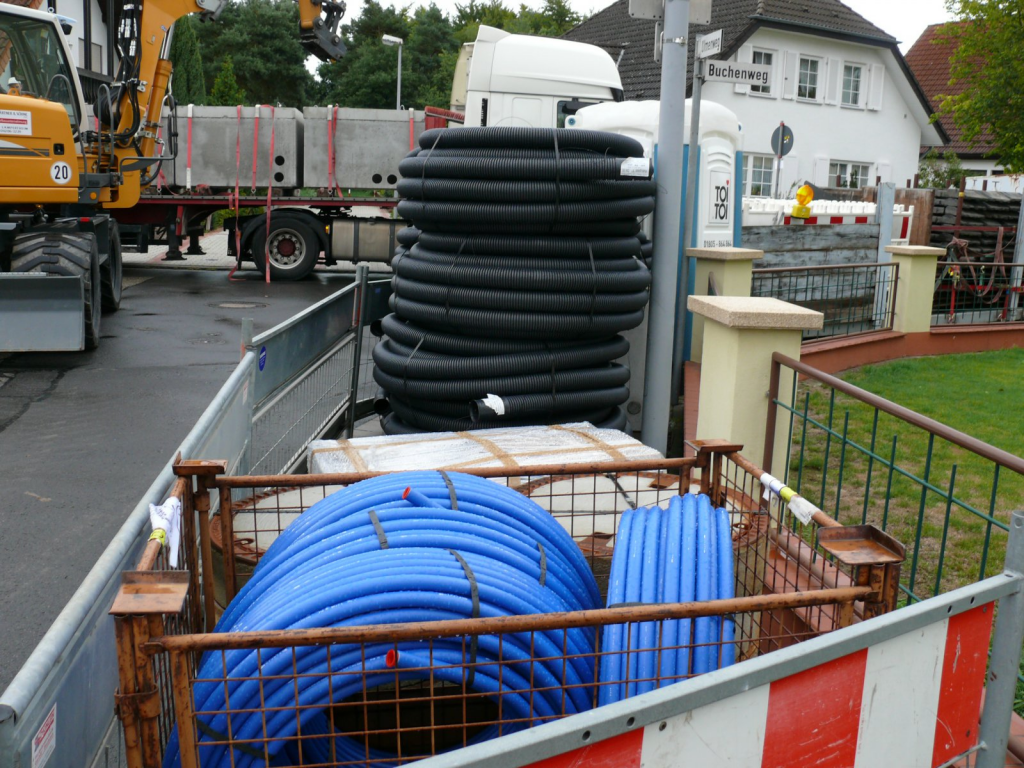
[31, 53]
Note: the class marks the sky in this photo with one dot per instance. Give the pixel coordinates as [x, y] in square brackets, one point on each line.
[903, 19]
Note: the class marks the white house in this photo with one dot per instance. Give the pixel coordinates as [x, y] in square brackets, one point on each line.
[839, 83]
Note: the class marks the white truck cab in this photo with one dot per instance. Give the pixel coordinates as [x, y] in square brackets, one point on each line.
[522, 80]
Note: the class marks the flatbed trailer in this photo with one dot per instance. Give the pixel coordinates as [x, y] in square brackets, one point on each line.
[341, 234]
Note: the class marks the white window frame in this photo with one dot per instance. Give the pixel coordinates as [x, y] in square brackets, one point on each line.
[769, 93]
[864, 180]
[748, 168]
[818, 79]
[861, 85]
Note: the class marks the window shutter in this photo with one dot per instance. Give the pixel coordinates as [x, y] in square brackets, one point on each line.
[744, 56]
[876, 87]
[832, 79]
[789, 71]
[821, 171]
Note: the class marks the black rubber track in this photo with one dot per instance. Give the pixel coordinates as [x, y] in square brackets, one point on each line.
[408, 362]
[529, 406]
[531, 246]
[523, 264]
[393, 425]
[411, 335]
[562, 302]
[516, 325]
[474, 191]
[455, 271]
[531, 383]
[512, 168]
[518, 214]
[530, 138]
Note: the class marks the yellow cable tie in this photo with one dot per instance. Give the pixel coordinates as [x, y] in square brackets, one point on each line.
[786, 493]
[160, 535]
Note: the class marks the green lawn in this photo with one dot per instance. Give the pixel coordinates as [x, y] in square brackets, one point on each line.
[949, 541]
[948, 538]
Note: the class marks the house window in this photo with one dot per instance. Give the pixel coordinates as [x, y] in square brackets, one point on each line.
[807, 84]
[757, 175]
[767, 58]
[852, 175]
[851, 84]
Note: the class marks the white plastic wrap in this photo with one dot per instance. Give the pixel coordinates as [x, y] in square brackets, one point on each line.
[509, 447]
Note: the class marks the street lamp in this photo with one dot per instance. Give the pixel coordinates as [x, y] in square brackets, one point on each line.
[392, 40]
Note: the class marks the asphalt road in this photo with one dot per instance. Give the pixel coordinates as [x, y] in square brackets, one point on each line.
[83, 435]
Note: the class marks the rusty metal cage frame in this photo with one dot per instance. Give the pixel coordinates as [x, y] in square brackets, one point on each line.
[790, 589]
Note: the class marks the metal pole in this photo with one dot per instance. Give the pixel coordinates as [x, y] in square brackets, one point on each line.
[667, 244]
[1017, 265]
[1001, 681]
[398, 96]
[362, 275]
[778, 159]
[885, 200]
[692, 170]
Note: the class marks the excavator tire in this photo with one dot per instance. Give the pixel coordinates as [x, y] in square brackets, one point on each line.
[65, 252]
[111, 272]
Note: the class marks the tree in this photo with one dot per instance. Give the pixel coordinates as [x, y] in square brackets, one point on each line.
[939, 171]
[188, 83]
[988, 71]
[262, 39]
[226, 90]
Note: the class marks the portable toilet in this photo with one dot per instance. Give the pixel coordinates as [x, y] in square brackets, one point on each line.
[718, 215]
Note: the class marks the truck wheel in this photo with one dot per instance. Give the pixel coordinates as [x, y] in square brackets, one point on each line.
[294, 248]
[111, 273]
[67, 253]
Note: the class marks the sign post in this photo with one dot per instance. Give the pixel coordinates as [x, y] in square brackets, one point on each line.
[782, 143]
[665, 293]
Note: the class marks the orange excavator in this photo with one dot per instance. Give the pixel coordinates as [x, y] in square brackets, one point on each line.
[63, 167]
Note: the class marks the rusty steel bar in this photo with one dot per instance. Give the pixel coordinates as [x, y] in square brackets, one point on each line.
[202, 507]
[148, 560]
[973, 444]
[128, 686]
[183, 707]
[499, 624]
[145, 627]
[347, 478]
[769, 425]
[227, 543]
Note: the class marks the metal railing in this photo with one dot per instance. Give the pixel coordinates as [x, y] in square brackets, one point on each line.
[74, 659]
[864, 459]
[854, 298]
[977, 293]
[425, 706]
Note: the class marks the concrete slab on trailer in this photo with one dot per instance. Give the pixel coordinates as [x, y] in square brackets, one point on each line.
[82, 435]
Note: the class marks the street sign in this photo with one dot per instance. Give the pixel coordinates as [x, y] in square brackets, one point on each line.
[785, 134]
[709, 45]
[731, 72]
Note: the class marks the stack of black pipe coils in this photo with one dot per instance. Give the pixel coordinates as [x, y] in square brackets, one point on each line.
[522, 266]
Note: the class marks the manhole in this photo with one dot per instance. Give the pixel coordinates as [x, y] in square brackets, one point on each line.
[238, 305]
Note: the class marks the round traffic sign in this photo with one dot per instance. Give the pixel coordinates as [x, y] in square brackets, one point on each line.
[784, 134]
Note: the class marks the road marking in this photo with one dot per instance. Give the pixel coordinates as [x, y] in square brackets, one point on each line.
[131, 282]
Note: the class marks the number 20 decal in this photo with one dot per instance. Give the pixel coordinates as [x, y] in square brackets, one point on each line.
[60, 172]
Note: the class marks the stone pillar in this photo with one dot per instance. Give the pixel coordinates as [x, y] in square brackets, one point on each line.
[740, 336]
[732, 270]
[916, 286]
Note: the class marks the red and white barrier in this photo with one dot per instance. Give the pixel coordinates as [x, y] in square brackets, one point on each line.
[912, 701]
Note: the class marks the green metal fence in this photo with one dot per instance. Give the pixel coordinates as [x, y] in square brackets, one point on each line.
[944, 494]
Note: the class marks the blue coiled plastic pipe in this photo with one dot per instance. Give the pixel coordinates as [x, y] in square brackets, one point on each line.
[679, 554]
[384, 551]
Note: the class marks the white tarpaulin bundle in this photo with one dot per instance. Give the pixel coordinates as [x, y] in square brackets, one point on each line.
[510, 447]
